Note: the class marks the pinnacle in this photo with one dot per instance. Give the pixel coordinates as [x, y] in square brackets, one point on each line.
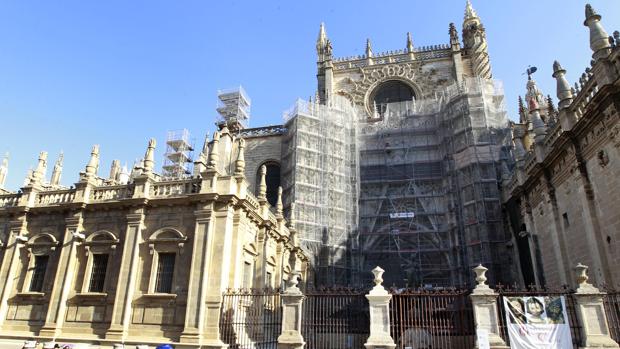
[590, 11]
[469, 11]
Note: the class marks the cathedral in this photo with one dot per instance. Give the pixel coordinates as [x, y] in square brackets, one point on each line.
[404, 159]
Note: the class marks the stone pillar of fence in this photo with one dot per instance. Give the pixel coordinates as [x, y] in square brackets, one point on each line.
[292, 302]
[591, 313]
[486, 315]
[379, 306]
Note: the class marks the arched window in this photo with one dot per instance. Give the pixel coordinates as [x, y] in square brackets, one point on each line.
[391, 91]
[272, 179]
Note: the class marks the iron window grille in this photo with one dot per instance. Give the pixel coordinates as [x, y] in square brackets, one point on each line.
[98, 273]
[38, 273]
[165, 272]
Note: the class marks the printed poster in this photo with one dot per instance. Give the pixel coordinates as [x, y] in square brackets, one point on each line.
[537, 322]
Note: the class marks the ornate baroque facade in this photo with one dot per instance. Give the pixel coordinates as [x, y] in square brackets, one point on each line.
[142, 262]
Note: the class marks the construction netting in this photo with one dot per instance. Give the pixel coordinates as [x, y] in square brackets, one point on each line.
[413, 188]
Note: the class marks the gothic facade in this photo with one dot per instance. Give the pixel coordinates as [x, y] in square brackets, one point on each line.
[563, 197]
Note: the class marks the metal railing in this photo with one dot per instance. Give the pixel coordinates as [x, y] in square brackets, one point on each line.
[571, 311]
[611, 301]
[251, 319]
[432, 319]
[335, 318]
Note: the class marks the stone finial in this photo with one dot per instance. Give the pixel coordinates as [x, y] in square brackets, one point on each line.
[57, 172]
[93, 162]
[563, 89]
[599, 40]
[378, 273]
[293, 280]
[481, 278]
[115, 170]
[581, 276]
[617, 37]
[469, 11]
[240, 163]
[581, 272]
[279, 205]
[262, 187]
[454, 37]
[149, 157]
[214, 153]
[39, 172]
[4, 169]
[368, 49]
[409, 43]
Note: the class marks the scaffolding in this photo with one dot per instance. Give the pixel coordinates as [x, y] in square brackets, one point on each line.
[414, 188]
[178, 156]
[234, 107]
[320, 180]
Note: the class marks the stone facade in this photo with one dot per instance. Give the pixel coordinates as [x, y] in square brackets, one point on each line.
[143, 262]
[564, 192]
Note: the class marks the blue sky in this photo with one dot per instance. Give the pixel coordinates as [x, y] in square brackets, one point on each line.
[115, 73]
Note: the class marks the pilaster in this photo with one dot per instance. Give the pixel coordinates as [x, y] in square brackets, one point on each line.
[196, 293]
[15, 240]
[127, 277]
[64, 277]
[557, 236]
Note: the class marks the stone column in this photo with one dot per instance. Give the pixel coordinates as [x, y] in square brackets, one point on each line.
[196, 293]
[484, 302]
[379, 306]
[64, 277]
[126, 285]
[591, 313]
[15, 241]
[292, 302]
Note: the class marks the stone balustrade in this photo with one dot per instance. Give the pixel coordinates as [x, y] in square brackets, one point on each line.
[109, 193]
[55, 197]
[9, 200]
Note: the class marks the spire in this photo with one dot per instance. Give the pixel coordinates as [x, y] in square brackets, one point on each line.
[115, 171]
[39, 173]
[563, 90]
[599, 40]
[368, 49]
[409, 43]
[323, 45]
[262, 187]
[214, 154]
[4, 169]
[55, 180]
[240, 163]
[321, 41]
[93, 163]
[149, 157]
[469, 11]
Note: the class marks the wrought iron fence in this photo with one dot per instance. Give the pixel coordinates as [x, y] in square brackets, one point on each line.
[611, 300]
[571, 310]
[251, 319]
[432, 319]
[335, 318]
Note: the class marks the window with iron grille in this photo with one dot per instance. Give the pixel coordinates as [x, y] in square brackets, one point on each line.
[98, 271]
[165, 272]
[38, 273]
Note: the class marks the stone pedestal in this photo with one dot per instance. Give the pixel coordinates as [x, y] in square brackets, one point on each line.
[591, 313]
[292, 301]
[379, 306]
[486, 316]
